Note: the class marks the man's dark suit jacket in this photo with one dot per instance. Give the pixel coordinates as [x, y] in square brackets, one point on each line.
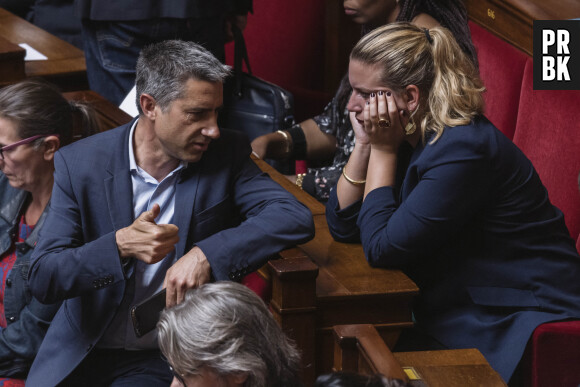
[224, 204]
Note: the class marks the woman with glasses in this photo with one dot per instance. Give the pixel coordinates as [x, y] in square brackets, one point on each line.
[35, 120]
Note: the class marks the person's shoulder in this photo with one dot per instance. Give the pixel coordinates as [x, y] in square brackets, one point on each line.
[479, 136]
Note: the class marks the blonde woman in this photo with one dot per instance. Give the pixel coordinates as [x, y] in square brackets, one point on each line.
[433, 188]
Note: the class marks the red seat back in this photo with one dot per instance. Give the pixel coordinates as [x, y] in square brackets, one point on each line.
[501, 66]
[548, 131]
[285, 41]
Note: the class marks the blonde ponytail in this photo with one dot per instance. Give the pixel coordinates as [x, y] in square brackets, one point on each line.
[455, 97]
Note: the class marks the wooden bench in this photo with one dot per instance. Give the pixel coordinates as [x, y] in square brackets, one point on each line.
[65, 65]
[359, 348]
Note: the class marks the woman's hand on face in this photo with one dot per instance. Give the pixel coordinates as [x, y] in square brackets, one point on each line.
[384, 122]
[361, 137]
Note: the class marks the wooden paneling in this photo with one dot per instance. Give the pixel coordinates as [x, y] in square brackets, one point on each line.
[513, 20]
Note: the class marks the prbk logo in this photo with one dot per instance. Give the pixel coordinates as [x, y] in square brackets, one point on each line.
[556, 54]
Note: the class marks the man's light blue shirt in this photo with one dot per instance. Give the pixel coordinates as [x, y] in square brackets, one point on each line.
[148, 279]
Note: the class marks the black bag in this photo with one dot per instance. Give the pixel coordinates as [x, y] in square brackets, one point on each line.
[251, 104]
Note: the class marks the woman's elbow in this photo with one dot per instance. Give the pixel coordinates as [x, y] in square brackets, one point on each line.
[345, 236]
[373, 258]
[380, 257]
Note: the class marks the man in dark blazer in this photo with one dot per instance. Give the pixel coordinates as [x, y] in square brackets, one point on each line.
[114, 31]
[168, 200]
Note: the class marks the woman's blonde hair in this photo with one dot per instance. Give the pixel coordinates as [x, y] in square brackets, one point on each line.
[449, 84]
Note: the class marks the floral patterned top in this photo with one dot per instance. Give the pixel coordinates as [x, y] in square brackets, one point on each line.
[320, 180]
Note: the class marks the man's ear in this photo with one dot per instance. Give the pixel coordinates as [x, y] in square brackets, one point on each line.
[50, 145]
[412, 92]
[148, 104]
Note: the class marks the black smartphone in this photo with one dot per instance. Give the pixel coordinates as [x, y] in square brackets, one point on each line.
[145, 315]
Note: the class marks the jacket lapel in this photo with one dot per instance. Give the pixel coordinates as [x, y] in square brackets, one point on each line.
[118, 184]
[185, 193]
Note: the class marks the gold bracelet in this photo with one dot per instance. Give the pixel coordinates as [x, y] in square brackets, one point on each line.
[351, 181]
[300, 179]
[286, 140]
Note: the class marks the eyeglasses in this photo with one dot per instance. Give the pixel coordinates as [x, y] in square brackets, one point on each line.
[22, 142]
[177, 376]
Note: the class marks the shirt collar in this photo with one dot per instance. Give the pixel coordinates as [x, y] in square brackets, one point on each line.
[132, 163]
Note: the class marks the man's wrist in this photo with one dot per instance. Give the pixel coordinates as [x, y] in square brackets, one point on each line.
[119, 237]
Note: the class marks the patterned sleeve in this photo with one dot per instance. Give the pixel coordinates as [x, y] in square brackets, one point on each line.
[319, 181]
[327, 121]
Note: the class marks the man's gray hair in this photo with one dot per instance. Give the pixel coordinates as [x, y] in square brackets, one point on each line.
[163, 69]
[226, 327]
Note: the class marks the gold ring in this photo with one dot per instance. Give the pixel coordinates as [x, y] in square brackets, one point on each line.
[383, 123]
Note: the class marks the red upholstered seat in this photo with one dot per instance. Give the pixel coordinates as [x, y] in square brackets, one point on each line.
[285, 41]
[553, 356]
[259, 285]
[546, 126]
[548, 131]
[501, 67]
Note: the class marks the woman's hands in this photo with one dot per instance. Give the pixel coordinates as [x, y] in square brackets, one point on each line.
[381, 130]
[383, 122]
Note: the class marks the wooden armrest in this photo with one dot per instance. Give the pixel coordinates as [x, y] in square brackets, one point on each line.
[360, 348]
